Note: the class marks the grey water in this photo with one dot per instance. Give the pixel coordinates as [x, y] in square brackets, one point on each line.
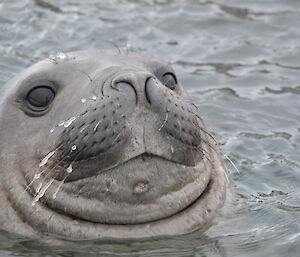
[240, 62]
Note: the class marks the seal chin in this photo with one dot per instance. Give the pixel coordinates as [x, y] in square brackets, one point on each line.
[143, 189]
[84, 209]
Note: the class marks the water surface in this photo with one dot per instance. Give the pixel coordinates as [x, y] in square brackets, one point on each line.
[240, 62]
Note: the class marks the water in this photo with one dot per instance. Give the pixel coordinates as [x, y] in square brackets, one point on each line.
[239, 60]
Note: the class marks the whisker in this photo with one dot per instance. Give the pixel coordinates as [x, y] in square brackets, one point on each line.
[59, 186]
[38, 175]
[231, 162]
[64, 179]
[225, 171]
[165, 121]
[211, 146]
[209, 134]
[116, 138]
[206, 154]
[49, 167]
[42, 192]
[115, 45]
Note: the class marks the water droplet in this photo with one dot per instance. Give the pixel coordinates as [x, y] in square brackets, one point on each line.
[37, 176]
[69, 121]
[83, 100]
[74, 147]
[94, 97]
[70, 169]
[61, 55]
[61, 123]
[172, 149]
[46, 158]
[42, 191]
[52, 130]
[58, 56]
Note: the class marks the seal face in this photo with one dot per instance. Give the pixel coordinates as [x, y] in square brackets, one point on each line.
[96, 144]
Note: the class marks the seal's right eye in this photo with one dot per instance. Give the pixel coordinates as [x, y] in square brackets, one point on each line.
[39, 98]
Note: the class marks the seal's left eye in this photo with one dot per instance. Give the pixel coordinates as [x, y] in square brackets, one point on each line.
[169, 80]
[39, 98]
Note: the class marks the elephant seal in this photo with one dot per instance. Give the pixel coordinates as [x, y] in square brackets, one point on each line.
[97, 144]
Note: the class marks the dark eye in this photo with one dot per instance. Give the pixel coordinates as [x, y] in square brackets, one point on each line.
[39, 98]
[169, 80]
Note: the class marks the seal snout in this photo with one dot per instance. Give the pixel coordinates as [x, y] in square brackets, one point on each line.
[138, 80]
[137, 114]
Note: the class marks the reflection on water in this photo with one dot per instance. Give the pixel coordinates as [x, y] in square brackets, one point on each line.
[240, 62]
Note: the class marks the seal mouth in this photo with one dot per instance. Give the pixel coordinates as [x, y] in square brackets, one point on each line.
[143, 189]
[71, 171]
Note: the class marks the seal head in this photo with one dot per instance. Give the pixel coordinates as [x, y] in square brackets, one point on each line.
[96, 144]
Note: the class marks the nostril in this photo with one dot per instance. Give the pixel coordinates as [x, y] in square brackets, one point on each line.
[125, 85]
[137, 80]
[117, 84]
[153, 90]
[148, 83]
